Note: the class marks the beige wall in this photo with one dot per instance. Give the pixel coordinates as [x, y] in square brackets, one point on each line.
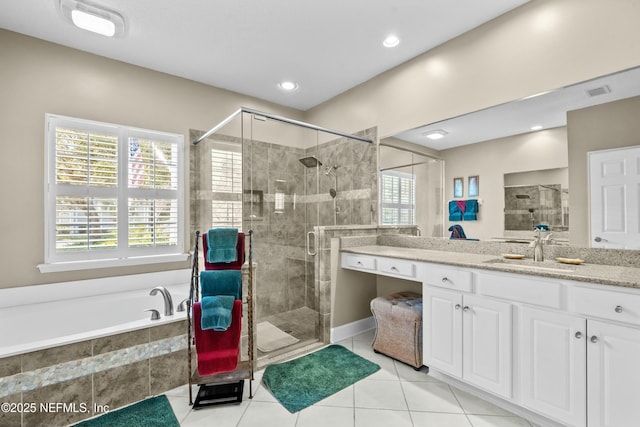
[37, 77]
[490, 160]
[543, 45]
[612, 125]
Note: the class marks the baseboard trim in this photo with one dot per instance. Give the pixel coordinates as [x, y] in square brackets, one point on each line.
[349, 330]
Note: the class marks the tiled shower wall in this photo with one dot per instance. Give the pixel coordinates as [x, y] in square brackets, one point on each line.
[285, 274]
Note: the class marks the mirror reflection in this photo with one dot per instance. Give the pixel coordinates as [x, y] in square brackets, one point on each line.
[549, 131]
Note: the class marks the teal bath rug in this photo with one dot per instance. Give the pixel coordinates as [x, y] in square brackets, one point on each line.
[152, 412]
[302, 382]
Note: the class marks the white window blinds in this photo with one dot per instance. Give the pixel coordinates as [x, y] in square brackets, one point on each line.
[112, 191]
[226, 186]
[397, 198]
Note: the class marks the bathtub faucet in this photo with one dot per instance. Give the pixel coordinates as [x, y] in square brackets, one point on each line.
[168, 302]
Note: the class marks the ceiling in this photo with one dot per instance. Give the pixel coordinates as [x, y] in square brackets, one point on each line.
[548, 110]
[326, 47]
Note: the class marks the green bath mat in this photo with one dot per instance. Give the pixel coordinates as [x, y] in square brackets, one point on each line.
[302, 382]
[152, 412]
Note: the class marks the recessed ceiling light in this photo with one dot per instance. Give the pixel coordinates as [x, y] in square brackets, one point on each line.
[391, 41]
[92, 18]
[536, 127]
[288, 86]
[435, 134]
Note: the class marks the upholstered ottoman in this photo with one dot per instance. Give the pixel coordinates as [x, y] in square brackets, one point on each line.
[399, 327]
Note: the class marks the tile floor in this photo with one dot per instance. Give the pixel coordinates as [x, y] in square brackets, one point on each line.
[395, 396]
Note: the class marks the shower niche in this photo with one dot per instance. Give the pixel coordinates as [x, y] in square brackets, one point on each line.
[291, 178]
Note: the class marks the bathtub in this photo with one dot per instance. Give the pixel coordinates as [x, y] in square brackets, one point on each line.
[71, 342]
[44, 316]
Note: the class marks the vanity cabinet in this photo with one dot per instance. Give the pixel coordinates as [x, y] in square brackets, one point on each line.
[565, 350]
[392, 267]
[468, 337]
[553, 372]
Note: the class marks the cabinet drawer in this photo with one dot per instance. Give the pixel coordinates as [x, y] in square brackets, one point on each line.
[400, 268]
[359, 262]
[516, 287]
[447, 277]
[612, 305]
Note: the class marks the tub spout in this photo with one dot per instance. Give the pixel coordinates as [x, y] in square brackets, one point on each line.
[168, 302]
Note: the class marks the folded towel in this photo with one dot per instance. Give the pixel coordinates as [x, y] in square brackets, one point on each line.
[236, 265]
[221, 282]
[457, 232]
[455, 214]
[222, 244]
[216, 312]
[217, 351]
[471, 211]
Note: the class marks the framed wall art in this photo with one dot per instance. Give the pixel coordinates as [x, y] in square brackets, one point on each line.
[474, 186]
[458, 187]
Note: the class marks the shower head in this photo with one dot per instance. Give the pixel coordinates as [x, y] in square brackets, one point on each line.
[332, 192]
[311, 162]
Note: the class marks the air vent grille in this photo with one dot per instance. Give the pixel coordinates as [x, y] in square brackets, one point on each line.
[597, 91]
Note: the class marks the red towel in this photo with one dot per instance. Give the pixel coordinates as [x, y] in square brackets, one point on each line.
[462, 205]
[217, 351]
[235, 265]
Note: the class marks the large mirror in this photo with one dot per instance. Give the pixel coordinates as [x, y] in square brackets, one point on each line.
[512, 145]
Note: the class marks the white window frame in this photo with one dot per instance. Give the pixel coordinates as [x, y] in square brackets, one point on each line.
[398, 206]
[123, 255]
[233, 198]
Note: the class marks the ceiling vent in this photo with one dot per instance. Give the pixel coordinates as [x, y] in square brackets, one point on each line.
[602, 90]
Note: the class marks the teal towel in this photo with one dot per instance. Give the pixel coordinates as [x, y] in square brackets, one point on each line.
[221, 282]
[216, 312]
[455, 214]
[222, 245]
[471, 213]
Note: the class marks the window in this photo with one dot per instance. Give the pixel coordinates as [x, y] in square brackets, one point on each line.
[397, 198]
[226, 185]
[112, 192]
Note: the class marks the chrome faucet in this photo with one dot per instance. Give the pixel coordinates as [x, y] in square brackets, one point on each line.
[168, 302]
[538, 245]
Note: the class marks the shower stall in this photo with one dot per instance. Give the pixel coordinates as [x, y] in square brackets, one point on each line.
[283, 179]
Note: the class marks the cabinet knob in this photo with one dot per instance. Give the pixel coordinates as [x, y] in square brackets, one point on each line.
[465, 308]
[457, 307]
[618, 309]
[578, 334]
[394, 268]
[359, 263]
[445, 279]
[594, 339]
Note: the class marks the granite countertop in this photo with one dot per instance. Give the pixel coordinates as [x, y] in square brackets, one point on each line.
[592, 273]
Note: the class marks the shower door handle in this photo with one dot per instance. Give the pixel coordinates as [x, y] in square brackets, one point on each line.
[309, 234]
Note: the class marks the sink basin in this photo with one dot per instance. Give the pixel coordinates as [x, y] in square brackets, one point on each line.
[531, 265]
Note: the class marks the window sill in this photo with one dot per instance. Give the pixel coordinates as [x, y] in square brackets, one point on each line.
[109, 263]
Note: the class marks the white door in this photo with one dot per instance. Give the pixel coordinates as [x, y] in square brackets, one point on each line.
[614, 180]
[553, 364]
[613, 375]
[442, 330]
[487, 340]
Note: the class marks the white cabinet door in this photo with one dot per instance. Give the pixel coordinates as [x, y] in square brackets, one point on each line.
[614, 177]
[487, 344]
[553, 364]
[613, 375]
[442, 330]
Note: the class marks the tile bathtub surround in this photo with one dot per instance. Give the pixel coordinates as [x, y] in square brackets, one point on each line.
[142, 363]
